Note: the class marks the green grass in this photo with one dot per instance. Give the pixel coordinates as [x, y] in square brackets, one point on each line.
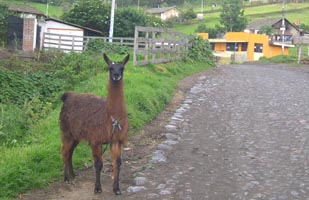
[294, 11]
[34, 165]
[291, 58]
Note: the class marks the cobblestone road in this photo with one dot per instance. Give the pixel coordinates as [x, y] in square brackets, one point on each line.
[242, 133]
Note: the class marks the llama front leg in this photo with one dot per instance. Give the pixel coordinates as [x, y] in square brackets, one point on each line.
[116, 156]
[98, 165]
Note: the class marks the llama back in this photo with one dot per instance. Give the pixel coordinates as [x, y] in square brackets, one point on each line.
[82, 114]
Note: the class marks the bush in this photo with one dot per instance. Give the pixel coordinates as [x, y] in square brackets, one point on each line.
[99, 46]
[188, 15]
[28, 93]
[213, 32]
[200, 51]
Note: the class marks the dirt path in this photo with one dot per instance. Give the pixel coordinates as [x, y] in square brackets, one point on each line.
[234, 132]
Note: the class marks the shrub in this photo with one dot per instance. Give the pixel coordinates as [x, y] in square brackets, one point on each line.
[99, 46]
[200, 51]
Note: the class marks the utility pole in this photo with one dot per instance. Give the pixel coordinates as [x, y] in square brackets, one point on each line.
[111, 27]
[283, 25]
[137, 4]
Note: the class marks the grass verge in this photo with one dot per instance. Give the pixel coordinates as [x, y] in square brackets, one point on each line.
[34, 165]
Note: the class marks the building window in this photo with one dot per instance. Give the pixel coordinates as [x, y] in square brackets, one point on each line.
[258, 48]
[244, 46]
[212, 46]
[231, 46]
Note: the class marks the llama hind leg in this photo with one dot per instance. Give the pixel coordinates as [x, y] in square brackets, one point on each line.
[71, 171]
[68, 147]
[116, 156]
[98, 164]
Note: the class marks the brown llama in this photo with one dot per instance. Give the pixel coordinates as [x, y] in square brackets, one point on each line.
[99, 121]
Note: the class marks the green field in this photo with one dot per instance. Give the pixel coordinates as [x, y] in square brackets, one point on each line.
[294, 11]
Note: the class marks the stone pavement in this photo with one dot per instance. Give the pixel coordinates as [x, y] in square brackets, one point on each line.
[241, 133]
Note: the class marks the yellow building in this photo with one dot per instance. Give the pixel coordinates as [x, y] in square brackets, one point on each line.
[247, 46]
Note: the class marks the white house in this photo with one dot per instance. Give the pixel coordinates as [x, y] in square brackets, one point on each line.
[164, 13]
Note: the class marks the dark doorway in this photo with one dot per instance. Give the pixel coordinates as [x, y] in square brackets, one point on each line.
[15, 32]
[38, 38]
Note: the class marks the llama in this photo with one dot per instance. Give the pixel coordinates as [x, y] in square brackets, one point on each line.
[99, 121]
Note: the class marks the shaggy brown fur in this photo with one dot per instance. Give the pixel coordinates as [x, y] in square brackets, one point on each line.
[89, 117]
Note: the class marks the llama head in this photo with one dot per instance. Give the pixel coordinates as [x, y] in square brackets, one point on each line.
[116, 68]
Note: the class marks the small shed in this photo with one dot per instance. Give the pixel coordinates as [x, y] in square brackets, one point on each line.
[164, 13]
[64, 35]
[28, 28]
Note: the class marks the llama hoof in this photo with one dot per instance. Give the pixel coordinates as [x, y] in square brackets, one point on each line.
[117, 192]
[97, 190]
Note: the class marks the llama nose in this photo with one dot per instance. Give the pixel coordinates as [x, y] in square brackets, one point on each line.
[117, 77]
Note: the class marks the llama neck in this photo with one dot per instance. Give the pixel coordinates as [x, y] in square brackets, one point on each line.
[115, 99]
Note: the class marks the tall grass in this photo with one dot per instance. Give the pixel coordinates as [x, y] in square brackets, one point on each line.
[37, 163]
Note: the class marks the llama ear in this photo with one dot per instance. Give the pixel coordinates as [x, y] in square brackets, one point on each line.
[125, 60]
[107, 60]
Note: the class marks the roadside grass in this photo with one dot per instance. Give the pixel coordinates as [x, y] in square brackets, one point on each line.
[280, 59]
[34, 165]
[291, 58]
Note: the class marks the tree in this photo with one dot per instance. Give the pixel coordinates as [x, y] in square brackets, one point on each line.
[4, 14]
[189, 14]
[91, 14]
[232, 17]
[126, 19]
[212, 32]
[266, 29]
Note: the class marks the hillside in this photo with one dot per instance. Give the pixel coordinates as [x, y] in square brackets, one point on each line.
[294, 11]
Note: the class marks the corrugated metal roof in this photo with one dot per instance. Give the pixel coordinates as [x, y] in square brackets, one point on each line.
[258, 23]
[159, 10]
[24, 9]
[75, 25]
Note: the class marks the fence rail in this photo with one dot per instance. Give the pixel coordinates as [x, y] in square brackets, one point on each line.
[78, 43]
[151, 45]
[158, 45]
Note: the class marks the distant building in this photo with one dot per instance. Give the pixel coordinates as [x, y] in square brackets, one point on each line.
[276, 23]
[246, 46]
[164, 13]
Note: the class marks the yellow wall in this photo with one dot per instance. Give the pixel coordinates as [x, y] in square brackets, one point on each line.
[251, 39]
[277, 50]
[205, 36]
[220, 46]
